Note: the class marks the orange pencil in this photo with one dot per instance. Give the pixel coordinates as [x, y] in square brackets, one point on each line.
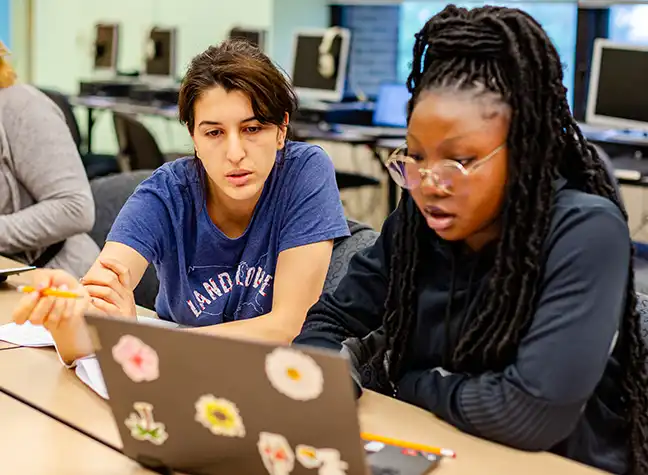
[408, 445]
[26, 289]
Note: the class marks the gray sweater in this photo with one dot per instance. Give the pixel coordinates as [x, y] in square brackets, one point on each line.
[45, 196]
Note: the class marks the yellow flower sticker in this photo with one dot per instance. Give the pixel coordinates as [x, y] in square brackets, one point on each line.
[307, 456]
[220, 416]
[294, 374]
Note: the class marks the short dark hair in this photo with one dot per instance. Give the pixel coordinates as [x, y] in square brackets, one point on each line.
[237, 65]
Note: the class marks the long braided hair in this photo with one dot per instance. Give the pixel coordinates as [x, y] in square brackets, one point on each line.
[509, 53]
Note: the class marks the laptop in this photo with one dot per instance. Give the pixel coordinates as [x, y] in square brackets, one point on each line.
[391, 106]
[390, 113]
[202, 404]
[6, 273]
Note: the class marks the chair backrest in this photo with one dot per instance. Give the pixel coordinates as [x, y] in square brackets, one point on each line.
[61, 100]
[136, 143]
[642, 308]
[110, 193]
[344, 249]
[607, 163]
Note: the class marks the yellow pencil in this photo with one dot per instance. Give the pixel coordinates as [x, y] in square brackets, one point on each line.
[26, 289]
[408, 445]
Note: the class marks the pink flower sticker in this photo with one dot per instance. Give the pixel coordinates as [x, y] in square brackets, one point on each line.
[138, 360]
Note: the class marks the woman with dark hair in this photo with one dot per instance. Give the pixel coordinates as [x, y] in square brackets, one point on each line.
[499, 295]
[241, 234]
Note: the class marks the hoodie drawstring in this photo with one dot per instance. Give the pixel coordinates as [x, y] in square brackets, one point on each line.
[448, 343]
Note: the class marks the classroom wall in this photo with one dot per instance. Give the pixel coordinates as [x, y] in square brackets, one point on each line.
[20, 37]
[63, 33]
[290, 16]
[5, 14]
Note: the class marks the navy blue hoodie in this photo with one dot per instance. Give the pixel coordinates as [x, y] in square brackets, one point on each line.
[562, 393]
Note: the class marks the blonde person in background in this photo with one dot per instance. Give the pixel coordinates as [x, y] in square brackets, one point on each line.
[46, 206]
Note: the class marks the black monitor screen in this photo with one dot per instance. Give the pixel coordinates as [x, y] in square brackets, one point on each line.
[105, 47]
[622, 91]
[161, 61]
[251, 36]
[305, 69]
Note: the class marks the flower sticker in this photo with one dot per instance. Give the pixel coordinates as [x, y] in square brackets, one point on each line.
[374, 447]
[220, 416]
[138, 360]
[143, 426]
[332, 463]
[276, 454]
[307, 456]
[294, 374]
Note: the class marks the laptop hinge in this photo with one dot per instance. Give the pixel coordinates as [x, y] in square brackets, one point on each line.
[154, 464]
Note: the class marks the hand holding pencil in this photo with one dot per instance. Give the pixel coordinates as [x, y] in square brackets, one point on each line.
[57, 299]
[49, 292]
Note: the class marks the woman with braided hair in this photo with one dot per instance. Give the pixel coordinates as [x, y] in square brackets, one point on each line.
[499, 295]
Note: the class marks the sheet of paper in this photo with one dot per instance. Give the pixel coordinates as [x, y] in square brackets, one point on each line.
[157, 322]
[89, 372]
[37, 336]
[26, 335]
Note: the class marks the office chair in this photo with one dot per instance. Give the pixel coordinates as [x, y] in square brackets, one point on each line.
[110, 193]
[609, 168]
[137, 144]
[640, 261]
[96, 165]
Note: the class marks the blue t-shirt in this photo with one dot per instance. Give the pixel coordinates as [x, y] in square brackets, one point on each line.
[207, 278]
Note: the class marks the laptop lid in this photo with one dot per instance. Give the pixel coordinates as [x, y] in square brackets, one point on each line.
[391, 106]
[205, 404]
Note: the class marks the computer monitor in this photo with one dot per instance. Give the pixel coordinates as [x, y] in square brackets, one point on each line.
[617, 94]
[391, 106]
[106, 47]
[161, 53]
[320, 60]
[253, 35]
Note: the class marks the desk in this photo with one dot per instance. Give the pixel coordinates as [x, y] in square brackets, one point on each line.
[32, 443]
[8, 298]
[59, 392]
[125, 106]
[37, 376]
[382, 415]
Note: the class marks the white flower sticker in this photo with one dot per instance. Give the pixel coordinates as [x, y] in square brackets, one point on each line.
[276, 454]
[220, 416]
[331, 462]
[144, 427]
[294, 374]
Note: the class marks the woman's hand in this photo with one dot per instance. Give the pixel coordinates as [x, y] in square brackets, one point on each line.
[108, 284]
[53, 313]
[62, 316]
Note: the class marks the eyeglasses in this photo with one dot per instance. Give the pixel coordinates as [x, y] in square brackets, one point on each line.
[445, 175]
